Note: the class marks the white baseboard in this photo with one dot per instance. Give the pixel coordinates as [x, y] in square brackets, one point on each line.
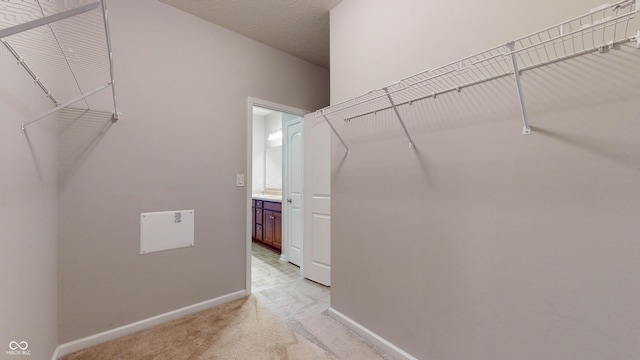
[73, 346]
[55, 354]
[372, 337]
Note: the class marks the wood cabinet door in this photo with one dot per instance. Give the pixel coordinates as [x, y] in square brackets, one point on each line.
[259, 217]
[253, 222]
[268, 226]
[277, 230]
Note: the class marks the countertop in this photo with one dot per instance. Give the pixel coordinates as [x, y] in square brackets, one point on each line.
[275, 198]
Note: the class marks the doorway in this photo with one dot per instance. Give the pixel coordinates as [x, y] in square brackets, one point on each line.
[274, 220]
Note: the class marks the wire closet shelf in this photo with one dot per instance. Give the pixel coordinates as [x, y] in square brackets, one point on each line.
[64, 46]
[602, 29]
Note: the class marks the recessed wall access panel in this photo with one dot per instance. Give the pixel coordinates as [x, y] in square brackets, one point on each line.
[166, 230]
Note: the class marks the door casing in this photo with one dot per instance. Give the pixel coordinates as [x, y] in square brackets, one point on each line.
[251, 102]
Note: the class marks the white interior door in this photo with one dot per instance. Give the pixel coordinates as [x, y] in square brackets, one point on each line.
[317, 199]
[292, 199]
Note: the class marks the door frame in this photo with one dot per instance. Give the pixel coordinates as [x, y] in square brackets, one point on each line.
[251, 102]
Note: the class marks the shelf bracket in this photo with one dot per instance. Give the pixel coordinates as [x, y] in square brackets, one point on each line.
[334, 131]
[526, 129]
[395, 109]
[48, 19]
[105, 16]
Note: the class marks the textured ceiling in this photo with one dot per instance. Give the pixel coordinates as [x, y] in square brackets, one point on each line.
[298, 27]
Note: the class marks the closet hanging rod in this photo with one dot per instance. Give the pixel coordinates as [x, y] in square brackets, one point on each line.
[433, 95]
[386, 93]
[619, 5]
[541, 41]
[635, 38]
[48, 19]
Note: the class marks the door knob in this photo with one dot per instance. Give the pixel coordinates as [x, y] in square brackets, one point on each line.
[289, 201]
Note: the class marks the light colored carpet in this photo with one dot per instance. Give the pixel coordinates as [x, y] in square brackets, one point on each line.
[284, 322]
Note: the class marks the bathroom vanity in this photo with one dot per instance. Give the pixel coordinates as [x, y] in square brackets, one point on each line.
[266, 213]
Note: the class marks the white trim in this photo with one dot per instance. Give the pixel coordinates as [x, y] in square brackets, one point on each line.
[55, 354]
[369, 335]
[251, 102]
[73, 346]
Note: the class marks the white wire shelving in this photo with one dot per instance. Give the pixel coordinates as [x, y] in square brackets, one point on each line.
[601, 29]
[64, 46]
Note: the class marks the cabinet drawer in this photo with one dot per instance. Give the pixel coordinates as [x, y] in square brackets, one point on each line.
[257, 203]
[275, 206]
[258, 216]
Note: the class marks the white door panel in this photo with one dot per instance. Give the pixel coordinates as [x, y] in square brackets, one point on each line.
[292, 199]
[321, 229]
[321, 205]
[317, 199]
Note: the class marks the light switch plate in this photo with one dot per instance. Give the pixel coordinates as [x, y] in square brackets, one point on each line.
[239, 179]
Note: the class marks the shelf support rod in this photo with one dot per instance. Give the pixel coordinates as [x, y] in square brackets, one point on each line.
[105, 16]
[64, 105]
[334, 131]
[526, 130]
[395, 109]
[48, 19]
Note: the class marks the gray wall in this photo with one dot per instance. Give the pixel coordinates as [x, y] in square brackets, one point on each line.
[481, 243]
[28, 222]
[183, 86]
